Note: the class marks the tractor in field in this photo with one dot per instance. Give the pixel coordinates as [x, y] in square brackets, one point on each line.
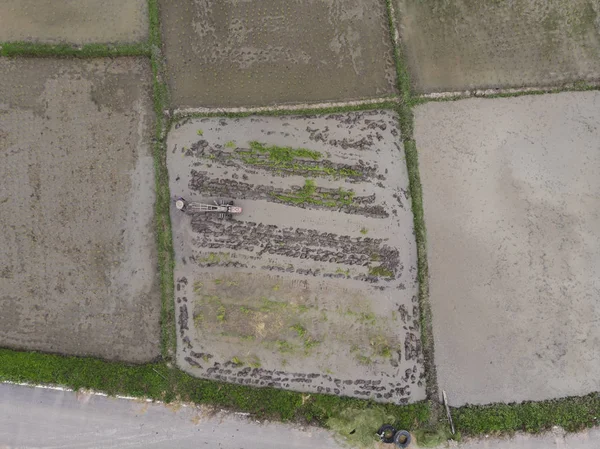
[221, 207]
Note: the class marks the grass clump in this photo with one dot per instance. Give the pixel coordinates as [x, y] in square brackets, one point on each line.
[215, 258]
[284, 347]
[292, 160]
[300, 330]
[364, 360]
[221, 314]
[345, 272]
[268, 305]
[198, 319]
[380, 346]
[308, 194]
[381, 271]
[254, 362]
[284, 154]
[310, 343]
[364, 231]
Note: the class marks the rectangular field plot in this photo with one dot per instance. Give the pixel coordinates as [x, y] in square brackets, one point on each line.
[466, 44]
[260, 52]
[77, 260]
[74, 21]
[511, 191]
[314, 286]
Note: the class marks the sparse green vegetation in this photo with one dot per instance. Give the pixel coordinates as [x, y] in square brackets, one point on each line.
[380, 346]
[364, 360]
[200, 132]
[291, 160]
[300, 330]
[362, 317]
[342, 271]
[245, 310]
[254, 362]
[310, 343]
[284, 154]
[268, 305]
[236, 361]
[381, 271]
[198, 319]
[308, 194]
[284, 347]
[364, 231]
[230, 144]
[215, 258]
[221, 314]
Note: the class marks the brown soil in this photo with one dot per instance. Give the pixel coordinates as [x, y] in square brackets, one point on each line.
[77, 266]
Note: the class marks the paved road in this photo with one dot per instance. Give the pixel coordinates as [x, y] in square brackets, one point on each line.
[551, 440]
[41, 418]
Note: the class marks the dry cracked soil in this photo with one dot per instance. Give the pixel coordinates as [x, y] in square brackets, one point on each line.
[77, 267]
[261, 52]
[314, 286]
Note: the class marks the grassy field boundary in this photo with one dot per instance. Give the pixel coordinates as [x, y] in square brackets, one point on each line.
[406, 119]
[577, 86]
[274, 112]
[164, 238]
[40, 50]
[159, 381]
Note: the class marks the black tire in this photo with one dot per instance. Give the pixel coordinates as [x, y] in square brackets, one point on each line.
[402, 439]
[387, 433]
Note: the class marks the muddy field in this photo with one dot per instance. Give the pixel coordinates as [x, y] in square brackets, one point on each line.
[77, 265]
[260, 52]
[313, 287]
[73, 21]
[512, 201]
[464, 44]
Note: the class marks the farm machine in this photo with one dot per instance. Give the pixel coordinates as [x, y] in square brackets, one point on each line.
[221, 207]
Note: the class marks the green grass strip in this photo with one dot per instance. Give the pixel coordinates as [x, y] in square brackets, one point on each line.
[406, 121]
[157, 381]
[164, 237]
[391, 104]
[40, 50]
[572, 414]
[284, 154]
[578, 86]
